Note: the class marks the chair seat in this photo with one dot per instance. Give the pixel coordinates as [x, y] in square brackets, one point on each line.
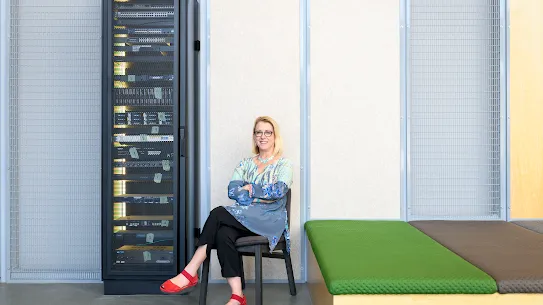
[254, 240]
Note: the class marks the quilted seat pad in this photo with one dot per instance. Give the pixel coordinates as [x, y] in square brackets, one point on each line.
[389, 257]
[533, 225]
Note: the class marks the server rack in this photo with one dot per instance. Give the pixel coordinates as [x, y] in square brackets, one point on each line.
[148, 163]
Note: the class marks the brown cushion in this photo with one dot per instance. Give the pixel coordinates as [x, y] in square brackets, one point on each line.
[512, 255]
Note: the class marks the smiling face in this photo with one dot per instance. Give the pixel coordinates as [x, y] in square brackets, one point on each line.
[264, 137]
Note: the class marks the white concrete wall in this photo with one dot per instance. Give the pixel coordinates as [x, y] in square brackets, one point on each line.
[355, 109]
[254, 70]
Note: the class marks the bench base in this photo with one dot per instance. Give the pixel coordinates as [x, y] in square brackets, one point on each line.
[438, 299]
[320, 295]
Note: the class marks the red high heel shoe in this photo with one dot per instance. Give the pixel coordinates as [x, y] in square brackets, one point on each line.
[169, 287]
[241, 300]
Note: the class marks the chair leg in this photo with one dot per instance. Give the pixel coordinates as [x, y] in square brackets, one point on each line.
[242, 273]
[204, 282]
[258, 275]
[290, 273]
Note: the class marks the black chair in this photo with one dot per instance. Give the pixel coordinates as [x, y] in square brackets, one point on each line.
[256, 246]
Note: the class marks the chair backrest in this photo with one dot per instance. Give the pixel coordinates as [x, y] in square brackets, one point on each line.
[288, 206]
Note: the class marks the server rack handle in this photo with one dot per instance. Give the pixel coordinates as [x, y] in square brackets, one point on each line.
[182, 142]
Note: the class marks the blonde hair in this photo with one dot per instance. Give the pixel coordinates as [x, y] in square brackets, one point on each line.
[278, 148]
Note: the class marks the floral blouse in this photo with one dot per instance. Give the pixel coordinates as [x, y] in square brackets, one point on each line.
[264, 210]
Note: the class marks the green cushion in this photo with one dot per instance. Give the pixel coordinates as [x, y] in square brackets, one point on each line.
[389, 257]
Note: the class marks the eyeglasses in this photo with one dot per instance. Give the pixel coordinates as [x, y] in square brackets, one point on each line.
[267, 133]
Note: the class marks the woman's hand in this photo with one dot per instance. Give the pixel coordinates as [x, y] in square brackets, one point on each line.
[249, 188]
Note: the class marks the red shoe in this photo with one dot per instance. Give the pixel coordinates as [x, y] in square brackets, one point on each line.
[241, 300]
[169, 287]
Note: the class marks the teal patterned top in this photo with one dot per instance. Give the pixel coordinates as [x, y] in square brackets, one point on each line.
[264, 210]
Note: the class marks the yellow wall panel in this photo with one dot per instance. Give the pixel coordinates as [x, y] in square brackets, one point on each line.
[526, 108]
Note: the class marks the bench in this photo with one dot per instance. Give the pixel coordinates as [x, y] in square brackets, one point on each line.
[392, 262]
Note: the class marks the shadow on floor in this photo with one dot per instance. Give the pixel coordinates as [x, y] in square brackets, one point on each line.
[92, 294]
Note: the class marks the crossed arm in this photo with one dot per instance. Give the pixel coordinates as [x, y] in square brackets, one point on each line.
[238, 192]
[246, 192]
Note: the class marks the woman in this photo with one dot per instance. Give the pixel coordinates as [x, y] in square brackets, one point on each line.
[259, 186]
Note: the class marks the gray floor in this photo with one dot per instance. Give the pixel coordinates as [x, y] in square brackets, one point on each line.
[91, 294]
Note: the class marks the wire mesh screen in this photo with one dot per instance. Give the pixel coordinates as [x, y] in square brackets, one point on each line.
[454, 109]
[55, 97]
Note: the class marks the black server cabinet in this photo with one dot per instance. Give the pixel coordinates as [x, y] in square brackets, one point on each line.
[147, 120]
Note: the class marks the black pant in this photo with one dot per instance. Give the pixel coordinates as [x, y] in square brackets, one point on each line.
[220, 232]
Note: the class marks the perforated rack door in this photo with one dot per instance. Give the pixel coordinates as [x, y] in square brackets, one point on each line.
[55, 117]
[454, 109]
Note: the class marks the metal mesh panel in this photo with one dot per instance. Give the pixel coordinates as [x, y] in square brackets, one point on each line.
[454, 109]
[55, 91]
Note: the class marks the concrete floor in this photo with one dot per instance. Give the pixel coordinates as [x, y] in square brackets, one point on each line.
[92, 294]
